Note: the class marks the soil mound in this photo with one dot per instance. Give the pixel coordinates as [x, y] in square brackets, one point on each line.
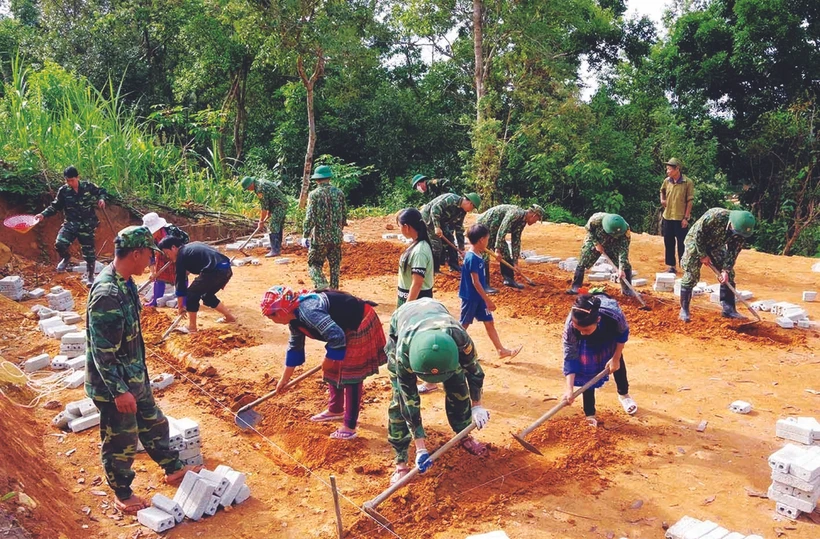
[362, 260]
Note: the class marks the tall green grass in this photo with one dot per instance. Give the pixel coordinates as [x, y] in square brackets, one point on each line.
[50, 119]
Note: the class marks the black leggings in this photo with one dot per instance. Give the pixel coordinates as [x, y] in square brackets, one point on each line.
[621, 383]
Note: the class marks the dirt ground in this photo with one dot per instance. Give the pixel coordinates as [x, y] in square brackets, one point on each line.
[627, 478]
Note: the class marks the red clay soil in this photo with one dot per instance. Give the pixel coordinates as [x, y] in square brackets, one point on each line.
[364, 260]
[26, 470]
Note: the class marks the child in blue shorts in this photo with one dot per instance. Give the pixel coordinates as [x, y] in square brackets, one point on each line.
[475, 303]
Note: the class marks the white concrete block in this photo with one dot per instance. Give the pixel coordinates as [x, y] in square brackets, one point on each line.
[718, 533]
[782, 459]
[213, 505]
[781, 488]
[50, 322]
[795, 314]
[73, 407]
[807, 467]
[281, 260]
[37, 293]
[349, 238]
[70, 317]
[803, 324]
[196, 460]
[639, 282]
[37, 362]
[166, 504]
[45, 313]
[714, 297]
[665, 278]
[699, 530]
[536, 259]
[77, 363]
[218, 479]
[796, 482]
[764, 305]
[238, 262]
[808, 295]
[155, 519]
[58, 363]
[236, 480]
[61, 420]
[57, 332]
[785, 323]
[87, 408]
[256, 261]
[781, 306]
[685, 524]
[161, 381]
[745, 294]
[77, 337]
[735, 535]
[186, 454]
[597, 277]
[740, 407]
[175, 437]
[243, 494]
[83, 423]
[798, 429]
[75, 379]
[193, 444]
[788, 512]
[389, 236]
[188, 427]
[198, 499]
[185, 487]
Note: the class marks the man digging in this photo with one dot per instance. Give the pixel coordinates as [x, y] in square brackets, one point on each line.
[117, 377]
[502, 220]
[444, 217]
[274, 207]
[607, 233]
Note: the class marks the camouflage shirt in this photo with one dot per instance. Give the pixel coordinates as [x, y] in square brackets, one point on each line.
[710, 235]
[273, 199]
[502, 220]
[326, 215]
[411, 318]
[115, 356]
[79, 206]
[445, 211]
[612, 244]
[436, 187]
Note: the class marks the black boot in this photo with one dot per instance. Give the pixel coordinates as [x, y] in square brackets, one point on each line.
[685, 298]
[65, 260]
[452, 259]
[488, 289]
[727, 301]
[275, 244]
[628, 278]
[90, 266]
[577, 281]
[509, 277]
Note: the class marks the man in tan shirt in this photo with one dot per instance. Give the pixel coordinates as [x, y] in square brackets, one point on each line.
[677, 195]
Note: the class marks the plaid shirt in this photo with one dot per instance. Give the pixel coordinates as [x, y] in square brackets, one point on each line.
[586, 355]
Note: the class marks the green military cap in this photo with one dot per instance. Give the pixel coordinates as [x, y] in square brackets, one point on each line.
[135, 237]
[615, 225]
[475, 199]
[248, 181]
[743, 222]
[538, 209]
[322, 172]
[674, 162]
[433, 355]
[417, 179]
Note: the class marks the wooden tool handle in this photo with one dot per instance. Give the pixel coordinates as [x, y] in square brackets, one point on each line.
[733, 291]
[289, 385]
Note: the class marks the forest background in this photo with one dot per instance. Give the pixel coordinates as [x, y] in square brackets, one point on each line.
[167, 103]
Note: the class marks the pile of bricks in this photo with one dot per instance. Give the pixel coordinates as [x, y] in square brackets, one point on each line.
[73, 344]
[60, 299]
[55, 328]
[569, 264]
[795, 484]
[200, 494]
[12, 287]
[77, 416]
[184, 437]
[692, 528]
[664, 282]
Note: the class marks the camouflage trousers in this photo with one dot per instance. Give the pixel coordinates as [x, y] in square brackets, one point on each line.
[457, 405]
[691, 268]
[276, 223]
[119, 433]
[506, 272]
[317, 254]
[590, 255]
[73, 231]
[442, 253]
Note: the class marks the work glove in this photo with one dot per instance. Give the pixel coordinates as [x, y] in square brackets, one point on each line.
[423, 461]
[481, 416]
[305, 242]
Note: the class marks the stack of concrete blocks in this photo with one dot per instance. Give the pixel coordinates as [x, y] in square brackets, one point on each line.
[70, 318]
[60, 299]
[780, 307]
[77, 416]
[809, 295]
[805, 430]
[692, 528]
[537, 259]
[55, 328]
[764, 305]
[569, 264]
[185, 438]
[12, 287]
[204, 492]
[664, 282]
[795, 484]
[82, 267]
[73, 344]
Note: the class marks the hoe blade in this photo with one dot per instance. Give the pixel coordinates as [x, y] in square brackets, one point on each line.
[526, 445]
[247, 419]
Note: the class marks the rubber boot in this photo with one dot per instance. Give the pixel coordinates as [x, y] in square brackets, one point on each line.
[577, 281]
[727, 301]
[90, 266]
[452, 259]
[488, 289]
[65, 260]
[685, 298]
[509, 277]
[275, 244]
[628, 278]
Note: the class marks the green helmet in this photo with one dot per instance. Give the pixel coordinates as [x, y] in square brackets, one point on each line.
[322, 172]
[433, 355]
[417, 179]
[538, 210]
[248, 181]
[475, 199]
[743, 222]
[674, 162]
[614, 225]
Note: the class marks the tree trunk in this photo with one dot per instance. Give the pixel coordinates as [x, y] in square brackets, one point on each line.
[309, 84]
[478, 50]
[241, 111]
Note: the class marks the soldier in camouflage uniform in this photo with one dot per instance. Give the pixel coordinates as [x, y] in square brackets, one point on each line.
[426, 342]
[502, 220]
[607, 233]
[274, 206]
[116, 374]
[431, 188]
[444, 216]
[715, 239]
[325, 218]
[77, 200]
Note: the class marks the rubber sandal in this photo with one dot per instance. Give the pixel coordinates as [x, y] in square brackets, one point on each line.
[327, 416]
[514, 352]
[343, 435]
[591, 421]
[423, 389]
[223, 320]
[473, 446]
[131, 505]
[398, 475]
[629, 405]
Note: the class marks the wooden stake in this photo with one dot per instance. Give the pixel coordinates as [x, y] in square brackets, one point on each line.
[338, 509]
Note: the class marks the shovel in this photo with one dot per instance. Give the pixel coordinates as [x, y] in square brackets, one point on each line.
[514, 268]
[554, 410]
[637, 295]
[732, 289]
[369, 507]
[172, 327]
[247, 241]
[144, 285]
[247, 417]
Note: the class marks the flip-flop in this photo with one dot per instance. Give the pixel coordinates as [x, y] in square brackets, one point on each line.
[343, 435]
[514, 352]
[327, 416]
[629, 404]
[223, 320]
[423, 389]
[131, 505]
[398, 474]
[591, 421]
[473, 446]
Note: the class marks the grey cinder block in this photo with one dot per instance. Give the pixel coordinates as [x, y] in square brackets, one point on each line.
[236, 479]
[188, 427]
[796, 482]
[686, 523]
[83, 423]
[219, 480]
[75, 379]
[156, 519]
[196, 460]
[243, 494]
[786, 511]
[76, 363]
[213, 505]
[164, 503]
[198, 499]
[37, 362]
[186, 487]
[73, 407]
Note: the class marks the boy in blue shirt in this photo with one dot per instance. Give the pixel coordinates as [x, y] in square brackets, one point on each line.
[475, 303]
